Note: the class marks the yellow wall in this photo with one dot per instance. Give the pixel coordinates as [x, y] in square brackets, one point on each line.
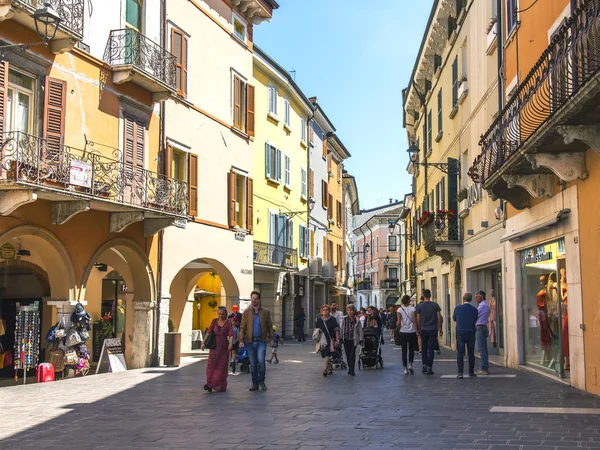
[269, 195]
[204, 316]
[335, 235]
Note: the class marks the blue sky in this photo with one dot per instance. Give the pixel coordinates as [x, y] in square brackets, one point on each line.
[356, 59]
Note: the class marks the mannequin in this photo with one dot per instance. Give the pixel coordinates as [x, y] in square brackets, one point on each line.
[492, 318]
[120, 320]
[565, 315]
[545, 331]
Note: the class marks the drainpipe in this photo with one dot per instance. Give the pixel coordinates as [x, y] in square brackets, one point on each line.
[308, 289]
[371, 246]
[163, 170]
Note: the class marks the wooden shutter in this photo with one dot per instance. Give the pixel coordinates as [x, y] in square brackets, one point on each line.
[130, 145]
[330, 205]
[249, 204]
[278, 163]
[250, 110]
[3, 101]
[193, 184]
[237, 102]
[179, 50]
[54, 113]
[267, 160]
[140, 136]
[231, 198]
[324, 149]
[325, 248]
[312, 243]
[312, 184]
[169, 161]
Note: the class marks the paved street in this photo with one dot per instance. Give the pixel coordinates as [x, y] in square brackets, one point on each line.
[167, 408]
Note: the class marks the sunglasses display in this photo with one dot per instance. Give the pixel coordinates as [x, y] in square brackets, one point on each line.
[27, 338]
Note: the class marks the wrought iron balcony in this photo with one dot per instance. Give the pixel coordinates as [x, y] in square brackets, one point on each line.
[442, 237]
[550, 122]
[364, 285]
[389, 284]
[274, 255]
[138, 59]
[60, 171]
[71, 12]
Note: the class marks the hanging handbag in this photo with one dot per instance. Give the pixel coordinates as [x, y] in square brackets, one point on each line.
[84, 335]
[210, 340]
[73, 338]
[70, 358]
[57, 359]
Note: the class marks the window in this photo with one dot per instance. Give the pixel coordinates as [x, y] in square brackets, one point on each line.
[179, 48]
[287, 174]
[183, 166]
[239, 28]
[463, 61]
[273, 92]
[272, 163]
[451, 26]
[279, 231]
[330, 254]
[19, 102]
[303, 130]
[511, 15]
[243, 105]
[133, 14]
[455, 83]
[240, 195]
[330, 206]
[286, 112]
[377, 244]
[324, 193]
[339, 214]
[302, 245]
[429, 132]
[437, 62]
[439, 100]
[311, 135]
[393, 273]
[303, 183]
[392, 243]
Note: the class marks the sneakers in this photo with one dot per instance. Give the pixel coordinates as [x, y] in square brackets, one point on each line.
[405, 371]
[429, 371]
[276, 361]
[263, 387]
[459, 376]
[410, 368]
[483, 372]
[472, 375]
[254, 388]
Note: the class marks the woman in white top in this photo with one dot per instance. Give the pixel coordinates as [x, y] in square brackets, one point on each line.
[407, 317]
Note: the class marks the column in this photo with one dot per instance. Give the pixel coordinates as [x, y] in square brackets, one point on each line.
[141, 345]
[163, 324]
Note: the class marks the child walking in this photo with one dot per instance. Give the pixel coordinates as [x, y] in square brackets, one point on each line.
[276, 340]
[234, 347]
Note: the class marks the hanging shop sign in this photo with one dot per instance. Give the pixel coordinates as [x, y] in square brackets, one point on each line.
[7, 251]
[80, 174]
[111, 357]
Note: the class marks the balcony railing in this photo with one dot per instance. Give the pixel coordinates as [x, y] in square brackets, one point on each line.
[571, 61]
[389, 284]
[441, 230]
[70, 11]
[128, 47]
[33, 161]
[274, 255]
[364, 285]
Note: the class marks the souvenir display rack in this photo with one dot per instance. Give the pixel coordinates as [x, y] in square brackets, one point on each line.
[27, 338]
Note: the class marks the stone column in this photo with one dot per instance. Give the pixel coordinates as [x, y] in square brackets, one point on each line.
[163, 325]
[141, 345]
[64, 309]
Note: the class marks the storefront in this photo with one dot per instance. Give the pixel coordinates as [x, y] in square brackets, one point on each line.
[545, 311]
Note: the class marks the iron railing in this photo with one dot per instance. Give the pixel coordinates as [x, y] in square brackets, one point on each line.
[442, 229]
[389, 284]
[364, 285]
[571, 60]
[275, 255]
[70, 11]
[33, 161]
[130, 47]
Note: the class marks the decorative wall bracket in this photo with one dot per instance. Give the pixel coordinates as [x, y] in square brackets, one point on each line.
[539, 185]
[566, 166]
[62, 212]
[590, 134]
[11, 200]
[120, 221]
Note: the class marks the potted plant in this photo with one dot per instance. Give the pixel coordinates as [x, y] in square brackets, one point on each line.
[425, 219]
[213, 303]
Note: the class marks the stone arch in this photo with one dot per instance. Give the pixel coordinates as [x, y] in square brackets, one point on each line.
[48, 253]
[36, 271]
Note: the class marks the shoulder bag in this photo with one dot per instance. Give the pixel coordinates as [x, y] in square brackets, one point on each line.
[210, 342]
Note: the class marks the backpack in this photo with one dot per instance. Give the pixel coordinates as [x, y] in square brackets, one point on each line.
[392, 320]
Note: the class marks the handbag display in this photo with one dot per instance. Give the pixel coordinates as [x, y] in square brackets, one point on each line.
[57, 359]
[84, 335]
[73, 338]
[70, 358]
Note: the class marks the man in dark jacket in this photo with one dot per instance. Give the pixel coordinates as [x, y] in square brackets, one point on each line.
[465, 317]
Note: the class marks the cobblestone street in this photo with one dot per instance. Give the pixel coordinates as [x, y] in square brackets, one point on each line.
[167, 408]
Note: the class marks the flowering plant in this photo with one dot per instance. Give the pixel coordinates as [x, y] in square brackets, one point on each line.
[426, 218]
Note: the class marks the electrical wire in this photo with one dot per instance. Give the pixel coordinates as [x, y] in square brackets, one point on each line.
[528, 8]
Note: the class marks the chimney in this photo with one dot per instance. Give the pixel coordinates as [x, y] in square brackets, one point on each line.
[391, 201]
[314, 100]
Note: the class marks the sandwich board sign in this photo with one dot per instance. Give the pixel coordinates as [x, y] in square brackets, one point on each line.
[111, 357]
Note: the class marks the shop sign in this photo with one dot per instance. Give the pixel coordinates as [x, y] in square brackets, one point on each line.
[80, 174]
[7, 251]
[246, 271]
[111, 357]
[539, 257]
[474, 194]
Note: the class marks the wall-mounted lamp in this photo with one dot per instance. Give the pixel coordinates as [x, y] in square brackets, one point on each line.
[23, 252]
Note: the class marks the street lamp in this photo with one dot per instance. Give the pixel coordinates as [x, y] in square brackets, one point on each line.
[46, 21]
[413, 150]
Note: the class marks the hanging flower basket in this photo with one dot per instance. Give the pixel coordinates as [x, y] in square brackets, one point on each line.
[451, 214]
[425, 219]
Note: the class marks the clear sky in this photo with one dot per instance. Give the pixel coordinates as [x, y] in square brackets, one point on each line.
[356, 56]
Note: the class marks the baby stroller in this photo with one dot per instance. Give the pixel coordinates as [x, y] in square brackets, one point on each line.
[337, 360]
[242, 358]
[370, 354]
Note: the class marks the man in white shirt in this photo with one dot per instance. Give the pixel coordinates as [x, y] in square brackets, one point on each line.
[339, 316]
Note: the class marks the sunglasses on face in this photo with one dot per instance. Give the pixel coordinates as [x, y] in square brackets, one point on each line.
[254, 298]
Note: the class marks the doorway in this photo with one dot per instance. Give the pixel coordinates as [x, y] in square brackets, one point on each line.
[446, 298]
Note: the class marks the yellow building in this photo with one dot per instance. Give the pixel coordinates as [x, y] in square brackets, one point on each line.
[282, 244]
[335, 252]
[81, 196]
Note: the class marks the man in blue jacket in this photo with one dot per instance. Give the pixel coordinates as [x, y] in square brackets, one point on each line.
[465, 317]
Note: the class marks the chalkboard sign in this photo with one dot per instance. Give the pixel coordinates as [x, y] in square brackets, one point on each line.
[111, 357]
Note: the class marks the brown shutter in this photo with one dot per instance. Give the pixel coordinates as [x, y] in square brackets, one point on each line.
[3, 84]
[330, 203]
[312, 184]
[249, 204]
[54, 113]
[140, 137]
[231, 198]
[312, 243]
[325, 248]
[237, 102]
[193, 184]
[130, 145]
[169, 161]
[184, 81]
[324, 149]
[250, 109]
[176, 50]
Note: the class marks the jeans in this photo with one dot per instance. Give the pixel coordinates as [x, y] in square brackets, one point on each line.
[256, 352]
[482, 335]
[428, 338]
[350, 349]
[408, 342]
[467, 339]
